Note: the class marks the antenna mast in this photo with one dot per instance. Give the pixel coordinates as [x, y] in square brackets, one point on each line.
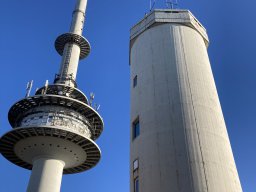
[29, 87]
[170, 4]
[151, 4]
[72, 46]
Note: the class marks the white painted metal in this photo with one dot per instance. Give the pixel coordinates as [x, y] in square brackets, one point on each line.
[46, 175]
[71, 53]
[78, 17]
[183, 144]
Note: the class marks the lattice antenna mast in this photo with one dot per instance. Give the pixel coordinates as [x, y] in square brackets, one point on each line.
[72, 46]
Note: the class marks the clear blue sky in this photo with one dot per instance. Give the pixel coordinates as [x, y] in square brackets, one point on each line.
[27, 34]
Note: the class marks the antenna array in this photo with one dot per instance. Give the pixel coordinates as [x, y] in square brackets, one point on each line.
[169, 4]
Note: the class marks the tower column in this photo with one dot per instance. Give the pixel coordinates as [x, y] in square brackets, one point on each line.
[70, 59]
[46, 175]
[78, 17]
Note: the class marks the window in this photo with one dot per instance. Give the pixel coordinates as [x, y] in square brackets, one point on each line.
[136, 184]
[135, 81]
[135, 165]
[136, 128]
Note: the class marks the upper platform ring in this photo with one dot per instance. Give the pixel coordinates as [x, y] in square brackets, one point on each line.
[63, 90]
[65, 38]
[18, 110]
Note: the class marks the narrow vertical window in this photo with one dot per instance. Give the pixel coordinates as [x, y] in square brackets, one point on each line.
[136, 184]
[135, 165]
[136, 128]
[135, 81]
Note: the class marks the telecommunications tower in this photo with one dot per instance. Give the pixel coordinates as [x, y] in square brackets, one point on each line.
[179, 141]
[54, 130]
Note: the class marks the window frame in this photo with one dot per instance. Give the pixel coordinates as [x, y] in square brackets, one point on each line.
[136, 128]
[136, 184]
[135, 165]
[135, 81]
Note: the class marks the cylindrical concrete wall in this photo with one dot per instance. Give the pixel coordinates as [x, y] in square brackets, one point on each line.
[183, 144]
[46, 175]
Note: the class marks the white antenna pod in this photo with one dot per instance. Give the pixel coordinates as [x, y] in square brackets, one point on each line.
[29, 87]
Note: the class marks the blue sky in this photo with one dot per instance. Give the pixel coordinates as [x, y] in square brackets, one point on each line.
[29, 29]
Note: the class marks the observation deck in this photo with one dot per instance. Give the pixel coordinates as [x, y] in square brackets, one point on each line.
[56, 122]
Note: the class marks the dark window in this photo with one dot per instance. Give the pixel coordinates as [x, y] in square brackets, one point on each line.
[135, 81]
[136, 184]
[136, 128]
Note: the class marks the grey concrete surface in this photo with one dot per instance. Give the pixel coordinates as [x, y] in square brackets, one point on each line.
[46, 175]
[183, 144]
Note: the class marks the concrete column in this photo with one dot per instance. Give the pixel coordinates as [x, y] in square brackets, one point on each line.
[46, 175]
[70, 59]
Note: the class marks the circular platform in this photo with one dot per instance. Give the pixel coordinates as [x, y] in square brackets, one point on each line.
[22, 145]
[83, 43]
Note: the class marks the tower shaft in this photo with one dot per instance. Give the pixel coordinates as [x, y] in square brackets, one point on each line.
[46, 175]
[78, 17]
[72, 49]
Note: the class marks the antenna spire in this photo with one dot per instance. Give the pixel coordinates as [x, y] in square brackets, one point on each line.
[29, 87]
[169, 4]
[72, 46]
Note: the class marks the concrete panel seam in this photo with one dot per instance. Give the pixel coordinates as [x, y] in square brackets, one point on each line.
[190, 92]
[185, 132]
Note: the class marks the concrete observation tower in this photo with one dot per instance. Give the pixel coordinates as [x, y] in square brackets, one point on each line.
[54, 130]
[179, 140]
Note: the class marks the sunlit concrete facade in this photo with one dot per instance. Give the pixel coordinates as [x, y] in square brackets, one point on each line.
[179, 141]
